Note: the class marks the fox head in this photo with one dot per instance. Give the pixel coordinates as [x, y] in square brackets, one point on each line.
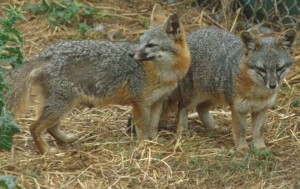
[269, 57]
[162, 42]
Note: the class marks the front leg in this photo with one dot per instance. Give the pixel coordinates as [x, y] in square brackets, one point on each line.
[258, 122]
[141, 117]
[182, 115]
[182, 120]
[156, 110]
[239, 130]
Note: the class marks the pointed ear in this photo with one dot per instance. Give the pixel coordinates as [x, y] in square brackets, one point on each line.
[287, 39]
[173, 26]
[248, 41]
[157, 16]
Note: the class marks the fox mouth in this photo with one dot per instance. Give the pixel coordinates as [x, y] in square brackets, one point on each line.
[140, 58]
[143, 58]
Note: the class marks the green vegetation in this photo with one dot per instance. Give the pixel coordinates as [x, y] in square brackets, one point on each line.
[8, 182]
[10, 53]
[10, 38]
[64, 12]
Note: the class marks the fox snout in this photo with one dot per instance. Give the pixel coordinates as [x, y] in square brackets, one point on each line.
[272, 85]
[140, 54]
[131, 54]
[272, 80]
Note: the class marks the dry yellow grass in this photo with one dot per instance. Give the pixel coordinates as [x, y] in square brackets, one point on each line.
[106, 157]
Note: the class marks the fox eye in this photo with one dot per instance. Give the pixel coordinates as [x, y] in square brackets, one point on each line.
[280, 69]
[150, 45]
[260, 70]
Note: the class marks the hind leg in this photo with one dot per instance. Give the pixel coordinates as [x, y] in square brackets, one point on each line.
[205, 116]
[61, 136]
[45, 121]
[51, 113]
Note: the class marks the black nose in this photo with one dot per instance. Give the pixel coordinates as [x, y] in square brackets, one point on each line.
[131, 54]
[273, 86]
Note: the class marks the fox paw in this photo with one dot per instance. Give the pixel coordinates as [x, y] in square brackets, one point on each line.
[260, 146]
[50, 151]
[243, 149]
[71, 138]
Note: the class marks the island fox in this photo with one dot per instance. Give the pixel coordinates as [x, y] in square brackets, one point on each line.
[98, 72]
[243, 72]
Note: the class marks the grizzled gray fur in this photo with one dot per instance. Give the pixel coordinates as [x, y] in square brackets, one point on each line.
[67, 58]
[94, 72]
[243, 72]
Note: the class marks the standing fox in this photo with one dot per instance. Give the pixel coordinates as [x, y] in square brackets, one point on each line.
[242, 72]
[100, 72]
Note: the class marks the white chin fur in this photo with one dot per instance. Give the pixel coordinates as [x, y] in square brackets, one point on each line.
[165, 58]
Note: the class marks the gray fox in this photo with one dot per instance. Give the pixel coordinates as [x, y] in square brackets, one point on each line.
[86, 72]
[242, 72]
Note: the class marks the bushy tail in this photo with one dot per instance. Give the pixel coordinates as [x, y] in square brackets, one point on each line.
[19, 83]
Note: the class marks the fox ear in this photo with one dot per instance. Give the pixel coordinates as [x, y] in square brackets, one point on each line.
[287, 39]
[157, 16]
[173, 26]
[248, 40]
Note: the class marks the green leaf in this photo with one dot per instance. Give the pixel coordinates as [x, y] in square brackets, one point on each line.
[17, 34]
[4, 38]
[10, 55]
[10, 52]
[6, 23]
[63, 12]
[89, 10]
[83, 28]
[8, 182]
[37, 8]
[294, 103]
[14, 13]
[8, 127]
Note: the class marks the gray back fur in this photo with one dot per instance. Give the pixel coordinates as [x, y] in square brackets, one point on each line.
[103, 61]
[215, 59]
[217, 56]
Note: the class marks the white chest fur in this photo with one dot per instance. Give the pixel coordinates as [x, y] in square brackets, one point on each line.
[258, 100]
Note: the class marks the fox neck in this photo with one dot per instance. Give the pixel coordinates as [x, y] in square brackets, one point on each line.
[183, 58]
[247, 88]
[175, 68]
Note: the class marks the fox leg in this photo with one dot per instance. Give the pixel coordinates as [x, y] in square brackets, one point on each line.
[239, 130]
[52, 111]
[182, 119]
[258, 122]
[205, 116]
[46, 120]
[141, 116]
[59, 135]
[156, 110]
